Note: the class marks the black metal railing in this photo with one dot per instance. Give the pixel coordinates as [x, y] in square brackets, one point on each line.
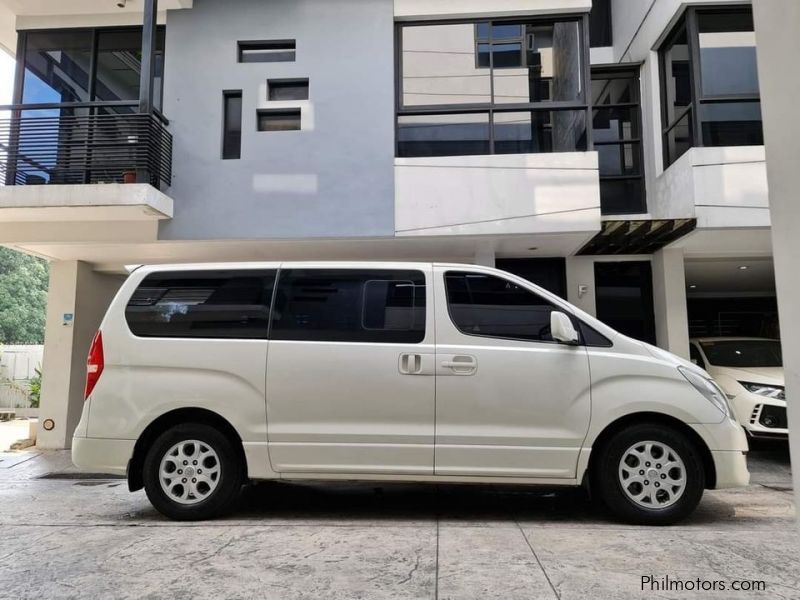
[84, 143]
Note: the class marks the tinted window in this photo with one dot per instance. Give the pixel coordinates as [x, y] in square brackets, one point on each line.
[744, 353]
[345, 305]
[202, 304]
[490, 306]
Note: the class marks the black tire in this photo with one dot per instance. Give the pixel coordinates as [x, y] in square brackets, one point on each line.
[228, 480]
[608, 481]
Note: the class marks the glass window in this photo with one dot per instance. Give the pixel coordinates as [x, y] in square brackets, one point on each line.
[616, 130]
[725, 109]
[546, 64]
[202, 304]
[677, 77]
[539, 131]
[57, 66]
[489, 66]
[232, 124]
[489, 306]
[727, 53]
[600, 24]
[744, 353]
[443, 134]
[732, 124]
[439, 66]
[347, 305]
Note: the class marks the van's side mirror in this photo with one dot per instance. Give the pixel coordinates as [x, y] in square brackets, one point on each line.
[561, 328]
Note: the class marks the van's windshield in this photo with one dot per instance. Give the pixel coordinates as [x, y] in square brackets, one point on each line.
[743, 353]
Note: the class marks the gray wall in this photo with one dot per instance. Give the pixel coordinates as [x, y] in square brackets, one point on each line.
[333, 179]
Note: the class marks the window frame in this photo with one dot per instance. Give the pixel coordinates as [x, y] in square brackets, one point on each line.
[689, 23]
[607, 72]
[21, 64]
[492, 107]
[576, 322]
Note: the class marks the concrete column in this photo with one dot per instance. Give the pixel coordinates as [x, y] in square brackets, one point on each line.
[85, 295]
[779, 78]
[669, 301]
[580, 283]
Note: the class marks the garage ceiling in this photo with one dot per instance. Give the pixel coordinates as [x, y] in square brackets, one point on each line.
[724, 277]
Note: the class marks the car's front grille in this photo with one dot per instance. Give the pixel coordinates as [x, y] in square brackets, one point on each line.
[773, 417]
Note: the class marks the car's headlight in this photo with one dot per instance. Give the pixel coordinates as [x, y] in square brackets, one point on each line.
[710, 390]
[775, 392]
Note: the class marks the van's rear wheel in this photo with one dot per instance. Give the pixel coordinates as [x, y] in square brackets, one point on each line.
[192, 472]
[650, 474]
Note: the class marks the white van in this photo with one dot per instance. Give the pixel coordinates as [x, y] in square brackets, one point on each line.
[203, 377]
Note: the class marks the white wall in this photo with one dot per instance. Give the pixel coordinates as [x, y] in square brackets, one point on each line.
[500, 194]
[778, 48]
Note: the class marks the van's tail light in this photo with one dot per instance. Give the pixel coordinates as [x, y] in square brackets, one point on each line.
[94, 364]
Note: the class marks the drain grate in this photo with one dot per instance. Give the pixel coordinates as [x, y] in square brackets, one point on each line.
[79, 476]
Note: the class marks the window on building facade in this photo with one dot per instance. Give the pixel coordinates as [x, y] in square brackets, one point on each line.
[267, 51]
[600, 24]
[492, 87]
[231, 124]
[86, 65]
[617, 137]
[709, 81]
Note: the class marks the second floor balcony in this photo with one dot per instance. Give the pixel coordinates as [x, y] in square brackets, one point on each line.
[84, 143]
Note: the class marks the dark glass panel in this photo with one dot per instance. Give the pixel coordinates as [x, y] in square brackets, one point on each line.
[619, 159]
[679, 139]
[540, 131]
[624, 295]
[732, 124]
[622, 196]
[202, 304]
[613, 90]
[678, 82]
[489, 306]
[232, 125]
[443, 135]
[349, 305]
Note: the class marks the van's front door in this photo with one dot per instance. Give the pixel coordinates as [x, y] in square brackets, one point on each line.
[350, 372]
[509, 400]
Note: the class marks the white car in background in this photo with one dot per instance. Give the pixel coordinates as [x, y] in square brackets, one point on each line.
[750, 371]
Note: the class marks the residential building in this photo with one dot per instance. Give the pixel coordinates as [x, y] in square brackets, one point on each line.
[612, 153]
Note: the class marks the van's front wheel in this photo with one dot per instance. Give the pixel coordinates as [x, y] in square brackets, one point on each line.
[650, 474]
[192, 472]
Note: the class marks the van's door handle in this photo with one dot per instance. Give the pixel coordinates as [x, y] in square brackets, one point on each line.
[453, 364]
[461, 364]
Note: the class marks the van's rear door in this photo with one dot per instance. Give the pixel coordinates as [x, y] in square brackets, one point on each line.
[350, 371]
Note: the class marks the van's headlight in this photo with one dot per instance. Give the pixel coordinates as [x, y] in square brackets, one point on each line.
[776, 392]
[710, 390]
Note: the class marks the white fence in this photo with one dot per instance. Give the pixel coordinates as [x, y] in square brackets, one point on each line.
[18, 366]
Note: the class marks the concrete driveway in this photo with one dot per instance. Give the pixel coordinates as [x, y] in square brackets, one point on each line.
[63, 535]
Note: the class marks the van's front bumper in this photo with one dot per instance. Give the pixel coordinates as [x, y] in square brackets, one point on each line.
[728, 444]
[99, 455]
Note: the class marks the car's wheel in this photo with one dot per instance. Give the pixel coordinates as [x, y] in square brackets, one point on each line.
[650, 474]
[192, 472]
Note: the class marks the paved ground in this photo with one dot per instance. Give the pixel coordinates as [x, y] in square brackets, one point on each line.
[62, 537]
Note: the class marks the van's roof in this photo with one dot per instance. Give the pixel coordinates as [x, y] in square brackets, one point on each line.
[299, 264]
